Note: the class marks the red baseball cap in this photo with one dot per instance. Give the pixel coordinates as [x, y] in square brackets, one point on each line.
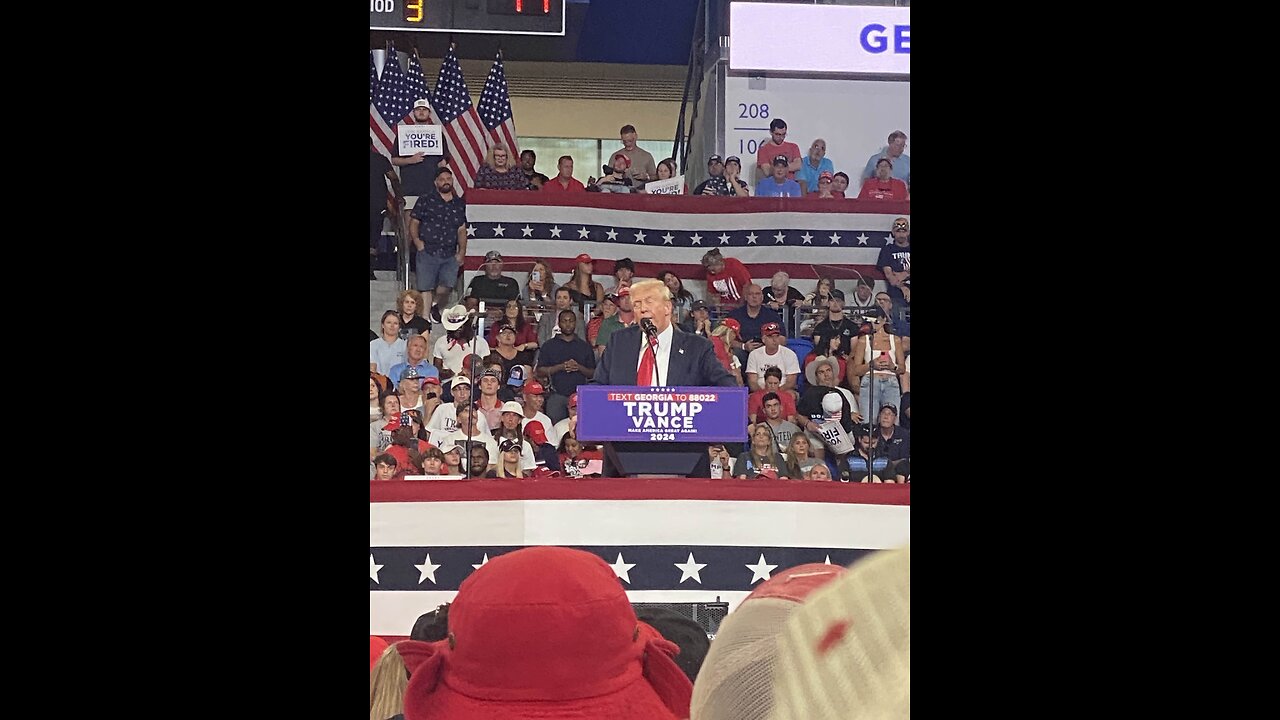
[573, 400]
[737, 326]
[772, 328]
[535, 431]
[545, 632]
[433, 380]
[376, 647]
[533, 387]
[584, 258]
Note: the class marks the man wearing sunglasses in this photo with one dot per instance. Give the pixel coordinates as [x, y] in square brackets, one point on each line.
[895, 263]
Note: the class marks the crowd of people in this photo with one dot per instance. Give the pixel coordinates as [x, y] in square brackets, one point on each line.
[829, 374]
[812, 642]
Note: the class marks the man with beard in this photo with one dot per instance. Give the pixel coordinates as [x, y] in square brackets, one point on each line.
[438, 226]
[564, 363]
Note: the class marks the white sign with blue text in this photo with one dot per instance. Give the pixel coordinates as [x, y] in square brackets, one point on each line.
[839, 38]
[425, 139]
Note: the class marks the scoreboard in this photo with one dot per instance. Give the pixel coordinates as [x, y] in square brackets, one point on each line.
[501, 17]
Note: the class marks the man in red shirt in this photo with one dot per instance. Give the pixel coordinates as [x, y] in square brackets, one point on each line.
[776, 145]
[884, 186]
[564, 182]
[726, 276]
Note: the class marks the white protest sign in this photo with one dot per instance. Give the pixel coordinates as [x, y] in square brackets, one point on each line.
[425, 139]
[665, 187]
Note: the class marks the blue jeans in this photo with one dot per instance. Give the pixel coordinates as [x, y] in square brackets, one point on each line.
[435, 271]
[887, 392]
[898, 316]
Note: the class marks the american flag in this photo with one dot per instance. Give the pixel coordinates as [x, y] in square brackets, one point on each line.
[418, 90]
[463, 129]
[373, 76]
[391, 102]
[495, 109]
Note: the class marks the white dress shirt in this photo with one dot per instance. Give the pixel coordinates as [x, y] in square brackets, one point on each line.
[663, 354]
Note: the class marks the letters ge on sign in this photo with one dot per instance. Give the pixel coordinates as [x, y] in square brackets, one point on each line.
[874, 40]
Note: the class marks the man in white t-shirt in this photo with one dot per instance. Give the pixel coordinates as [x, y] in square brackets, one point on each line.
[445, 419]
[467, 429]
[534, 397]
[449, 352]
[772, 354]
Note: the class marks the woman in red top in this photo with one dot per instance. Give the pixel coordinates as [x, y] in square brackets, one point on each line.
[722, 339]
[526, 332]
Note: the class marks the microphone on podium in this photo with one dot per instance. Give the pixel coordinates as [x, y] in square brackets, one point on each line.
[650, 331]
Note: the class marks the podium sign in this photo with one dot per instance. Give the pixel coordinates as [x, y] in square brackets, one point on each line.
[657, 414]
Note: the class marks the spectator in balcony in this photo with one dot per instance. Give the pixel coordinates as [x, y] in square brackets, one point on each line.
[623, 271]
[380, 430]
[864, 296]
[432, 397]
[726, 278]
[895, 439]
[723, 338]
[508, 465]
[458, 342]
[868, 463]
[839, 184]
[783, 299]
[698, 321]
[617, 180]
[480, 464]
[772, 384]
[493, 285]
[489, 405]
[812, 167]
[681, 299]
[564, 181]
[540, 285]
[624, 318]
[751, 317]
[814, 306]
[526, 333]
[389, 348]
[733, 177]
[445, 418]
[824, 187]
[375, 400]
[777, 146]
[438, 227]
[799, 459]
[606, 309]
[497, 173]
[511, 356]
[901, 328]
[537, 181]
[773, 354]
[895, 263]
[569, 425]
[778, 184]
[415, 357]
[878, 357]
[433, 462]
[581, 287]
[822, 376]
[577, 459]
[452, 460]
[409, 303]
[883, 186]
[385, 466]
[410, 389]
[528, 159]
[566, 362]
[549, 325]
[544, 447]
[818, 472]
[716, 183]
[417, 169]
[640, 165]
[468, 428]
[380, 171]
[834, 334]
[534, 400]
[760, 455]
[666, 171]
[781, 426]
[894, 152]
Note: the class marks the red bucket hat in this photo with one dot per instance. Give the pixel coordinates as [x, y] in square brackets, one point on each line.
[545, 632]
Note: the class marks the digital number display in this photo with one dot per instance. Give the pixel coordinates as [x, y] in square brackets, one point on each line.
[499, 17]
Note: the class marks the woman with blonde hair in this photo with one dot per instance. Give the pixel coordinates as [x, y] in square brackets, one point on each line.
[760, 455]
[497, 172]
[409, 303]
[387, 682]
[508, 465]
[722, 338]
[799, 460]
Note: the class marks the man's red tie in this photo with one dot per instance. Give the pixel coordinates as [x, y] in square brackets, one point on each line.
[648, 361]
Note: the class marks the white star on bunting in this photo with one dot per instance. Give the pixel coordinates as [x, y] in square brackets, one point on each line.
[639, 236]
[761, 570]
[485, 561]
[808, 239]
[555, 231]
[613, 234]
[751, 239]
[690, 569]
[835, 238]
[724, 238]
[696, 239]
[622, 569]
[827, 561]
[780, 237]
[888, 239]
[862, 239]
[528, 231]
[666, 239]
[498, 230]
[427, 569]
[471, 231]
[374, 568]
[583, 233]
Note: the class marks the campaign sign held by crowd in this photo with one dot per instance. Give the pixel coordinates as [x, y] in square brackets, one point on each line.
[658, 414]
[423, 139]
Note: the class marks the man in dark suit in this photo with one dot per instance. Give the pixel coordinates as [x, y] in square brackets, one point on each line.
[681, 358]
